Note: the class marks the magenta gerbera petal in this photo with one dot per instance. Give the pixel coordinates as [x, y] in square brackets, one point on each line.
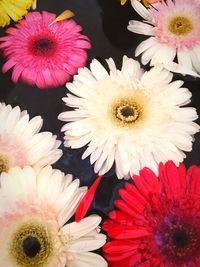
[42, 54]
[157, 223]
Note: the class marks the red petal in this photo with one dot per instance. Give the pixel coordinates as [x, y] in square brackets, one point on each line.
[173, 179]
[87, 200]
[119, 246]
[121, 217]
[146, 182]
[132, 189]
[119, 256]
[123, 206]
[127, 232]
[193, 180]
[132, 200]
[127, 262]
[108, 224]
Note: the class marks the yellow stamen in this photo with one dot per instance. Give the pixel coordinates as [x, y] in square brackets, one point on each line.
[180, 25]
[127, 112]
[21, 255]
[3, 164]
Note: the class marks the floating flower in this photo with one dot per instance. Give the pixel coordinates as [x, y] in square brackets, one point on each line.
[174, 27]
[132, 118]
[15, 10]
[21, 143]
[43, 54]
[34, 214]
[157, 222]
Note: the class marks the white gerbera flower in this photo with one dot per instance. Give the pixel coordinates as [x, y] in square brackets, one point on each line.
[21, 143]
[34, 211]
[174, 27]
[127, 117]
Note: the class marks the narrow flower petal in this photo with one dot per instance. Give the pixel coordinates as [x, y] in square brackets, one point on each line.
[87, 200]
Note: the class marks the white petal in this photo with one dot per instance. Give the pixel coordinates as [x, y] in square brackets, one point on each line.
[174, 67]
[184, 59]
[85, 244]
[87, 259]
[195, 61]
[131, 68]
[34, 127]
[141, 10]
[149, 53]
[140, 27]
[164, 55]
[111, 65]
[86, 225]
[70, 208]
[197, 52]
[98, 70]
[143, 46]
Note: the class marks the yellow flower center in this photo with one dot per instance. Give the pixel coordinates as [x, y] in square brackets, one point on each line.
[31, 245]
[3, 164]
[127, 112]
[180, 25]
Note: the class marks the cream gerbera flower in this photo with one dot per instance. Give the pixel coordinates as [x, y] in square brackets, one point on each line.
[132, 118]
[174, 30]
[15, 10]
[21, 143]
[34, 211]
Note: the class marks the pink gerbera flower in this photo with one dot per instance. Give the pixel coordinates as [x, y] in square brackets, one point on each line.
[43, 54]
[174, 30]
[157, 223]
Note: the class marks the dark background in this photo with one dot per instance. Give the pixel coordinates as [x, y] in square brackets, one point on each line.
[104, 22]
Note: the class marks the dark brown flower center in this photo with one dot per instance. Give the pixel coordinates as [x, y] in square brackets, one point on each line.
[31, 246]
[178, 240]
[126, 113]
[44, 47]
[180, 25]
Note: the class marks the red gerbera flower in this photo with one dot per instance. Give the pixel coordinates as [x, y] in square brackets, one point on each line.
[158, 221]
[43, 53]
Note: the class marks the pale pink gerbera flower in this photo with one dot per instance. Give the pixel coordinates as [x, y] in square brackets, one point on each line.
[43, 54]
[21, 143]
[174, 27]
[35, 209]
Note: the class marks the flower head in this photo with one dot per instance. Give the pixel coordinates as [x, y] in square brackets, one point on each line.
[132, 118]
[34, 214]
[175, 31]
[15, 10]
[43, 54]
[157, 222]
[21, 143]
